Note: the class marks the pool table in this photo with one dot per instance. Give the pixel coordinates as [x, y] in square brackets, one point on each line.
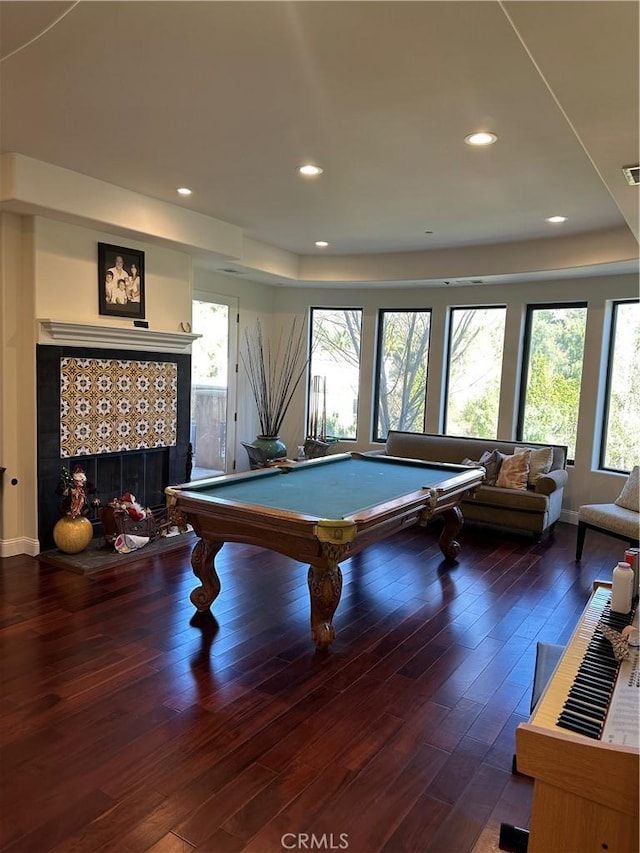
[319, 512]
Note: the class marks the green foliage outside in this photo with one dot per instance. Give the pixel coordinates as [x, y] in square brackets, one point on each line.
[475, 368]
[554, 376]
[209, 353]
[622, 434]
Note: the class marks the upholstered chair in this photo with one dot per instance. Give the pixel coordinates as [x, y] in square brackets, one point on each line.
[620, 519]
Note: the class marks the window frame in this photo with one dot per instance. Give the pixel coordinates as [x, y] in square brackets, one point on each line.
[606, 407]
[313, 308]
[447, 354]
[526, 353]
[375, 438]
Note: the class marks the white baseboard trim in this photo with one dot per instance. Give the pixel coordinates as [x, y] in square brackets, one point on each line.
[570, 516]
[17, 546]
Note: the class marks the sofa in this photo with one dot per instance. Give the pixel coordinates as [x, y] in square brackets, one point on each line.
[533, 508]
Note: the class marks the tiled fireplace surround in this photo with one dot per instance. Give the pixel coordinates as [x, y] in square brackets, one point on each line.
[143, 472]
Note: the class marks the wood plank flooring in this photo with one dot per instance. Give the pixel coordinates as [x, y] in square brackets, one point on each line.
[128, 723]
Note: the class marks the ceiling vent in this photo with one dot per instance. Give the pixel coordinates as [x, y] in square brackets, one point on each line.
[230, 271]
[632, 174]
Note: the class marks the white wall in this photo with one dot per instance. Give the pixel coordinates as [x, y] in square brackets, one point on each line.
[66, 277]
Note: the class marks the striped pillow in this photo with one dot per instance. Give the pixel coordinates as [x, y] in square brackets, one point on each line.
[541, 461]
[514, 470]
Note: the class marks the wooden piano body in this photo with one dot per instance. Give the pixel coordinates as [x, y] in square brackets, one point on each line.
[586, 791]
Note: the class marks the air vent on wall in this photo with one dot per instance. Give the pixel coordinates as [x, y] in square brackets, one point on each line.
[632, 174]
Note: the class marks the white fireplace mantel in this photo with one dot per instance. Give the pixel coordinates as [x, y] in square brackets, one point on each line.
[113, 337]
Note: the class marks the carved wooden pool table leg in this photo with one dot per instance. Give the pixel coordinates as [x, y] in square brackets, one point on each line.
[325, 579]
[325, 588]
[452, 526]
[202, 563]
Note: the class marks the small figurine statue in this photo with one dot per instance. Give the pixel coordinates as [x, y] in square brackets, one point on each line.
[74, 489]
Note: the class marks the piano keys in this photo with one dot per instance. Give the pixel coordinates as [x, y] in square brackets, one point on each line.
[581, 745]
[581, 692]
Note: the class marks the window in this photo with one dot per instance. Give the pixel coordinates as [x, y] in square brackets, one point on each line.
[476, 343]
[335, 360]
[552, 373]
[212, 385]
[621, 432]
[401, 385]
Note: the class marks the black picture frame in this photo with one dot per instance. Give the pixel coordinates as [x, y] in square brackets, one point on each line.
[114, 298]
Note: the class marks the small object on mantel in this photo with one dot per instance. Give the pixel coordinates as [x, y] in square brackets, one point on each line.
[141, 324]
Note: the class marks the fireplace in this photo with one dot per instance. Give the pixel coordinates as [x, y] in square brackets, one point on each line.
[123, 415]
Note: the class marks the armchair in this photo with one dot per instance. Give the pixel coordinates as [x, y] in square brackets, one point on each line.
[620, 519]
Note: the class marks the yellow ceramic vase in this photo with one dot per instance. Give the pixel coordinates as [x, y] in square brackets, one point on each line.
[72, 535]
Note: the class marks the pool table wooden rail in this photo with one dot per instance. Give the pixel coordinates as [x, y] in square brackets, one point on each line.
[321, 542]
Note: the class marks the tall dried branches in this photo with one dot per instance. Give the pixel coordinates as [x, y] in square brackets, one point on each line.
[274, 376]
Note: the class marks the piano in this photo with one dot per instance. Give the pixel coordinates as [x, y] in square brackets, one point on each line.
[581, 744]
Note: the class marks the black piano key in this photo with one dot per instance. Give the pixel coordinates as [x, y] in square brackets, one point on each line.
[596, 678]
[588, 698]
[595, 714]
[580, 714]
[600, 658]
[598, 701]
[576, 724]
[577, 720]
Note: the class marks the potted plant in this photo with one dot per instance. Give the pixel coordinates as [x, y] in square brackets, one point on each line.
[273, 377]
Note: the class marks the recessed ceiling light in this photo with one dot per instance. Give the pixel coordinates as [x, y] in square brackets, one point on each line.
[321, 244]
[184, 190]
[309, 170]
[556, 218]
[481, 138]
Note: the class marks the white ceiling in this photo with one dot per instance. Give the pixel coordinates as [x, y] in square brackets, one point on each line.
[228, 98]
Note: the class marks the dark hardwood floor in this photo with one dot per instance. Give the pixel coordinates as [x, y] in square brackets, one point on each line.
[128, 725]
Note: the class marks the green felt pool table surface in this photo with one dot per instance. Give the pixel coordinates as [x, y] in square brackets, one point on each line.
[319, 512]
[334, 487]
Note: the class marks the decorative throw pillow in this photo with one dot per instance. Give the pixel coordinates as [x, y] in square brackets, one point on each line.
[629, 497]
[490, 461]
[541, 461]
[514, 471]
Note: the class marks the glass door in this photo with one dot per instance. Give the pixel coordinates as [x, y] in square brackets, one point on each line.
[213, 389]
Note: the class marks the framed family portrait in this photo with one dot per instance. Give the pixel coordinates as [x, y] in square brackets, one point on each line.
[120, 281]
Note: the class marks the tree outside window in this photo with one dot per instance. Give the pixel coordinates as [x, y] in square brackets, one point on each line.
[476, 344]
[621, 434]
[403, 356]
[335, 355]
[554, 347]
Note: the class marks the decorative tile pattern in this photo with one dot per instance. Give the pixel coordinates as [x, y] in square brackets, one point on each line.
[110, 405]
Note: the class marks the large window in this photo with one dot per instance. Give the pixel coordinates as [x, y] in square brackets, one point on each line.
[476, 343]
[621, 433]
[335, 362]
[403, 355]
[552, 374]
